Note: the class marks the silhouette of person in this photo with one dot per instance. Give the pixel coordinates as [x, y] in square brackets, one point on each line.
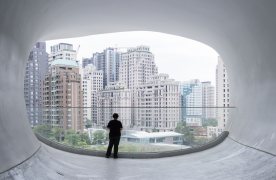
[115, 127]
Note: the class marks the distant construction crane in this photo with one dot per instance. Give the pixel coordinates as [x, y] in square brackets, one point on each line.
[77, 51]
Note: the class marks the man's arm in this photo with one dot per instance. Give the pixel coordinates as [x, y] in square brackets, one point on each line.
[108, 125]
[121, 128]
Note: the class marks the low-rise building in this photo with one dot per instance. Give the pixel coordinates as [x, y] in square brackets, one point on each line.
[154, 137]
[213, 131]
[193, 122]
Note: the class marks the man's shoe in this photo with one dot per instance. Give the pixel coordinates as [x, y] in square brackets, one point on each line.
[106, 156]
[115, 157]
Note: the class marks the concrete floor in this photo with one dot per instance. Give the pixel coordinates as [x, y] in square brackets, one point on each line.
[228, 160]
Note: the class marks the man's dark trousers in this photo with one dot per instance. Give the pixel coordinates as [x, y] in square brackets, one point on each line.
[113, 141]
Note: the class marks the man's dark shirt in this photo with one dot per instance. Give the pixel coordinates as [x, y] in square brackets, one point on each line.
[115, 128]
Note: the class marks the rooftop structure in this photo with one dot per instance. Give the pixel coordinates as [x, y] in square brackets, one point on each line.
[62, 51]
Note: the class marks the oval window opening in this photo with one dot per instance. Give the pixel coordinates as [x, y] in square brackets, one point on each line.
[170, 93]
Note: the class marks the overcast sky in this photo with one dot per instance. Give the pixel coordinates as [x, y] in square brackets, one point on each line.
[183, 59]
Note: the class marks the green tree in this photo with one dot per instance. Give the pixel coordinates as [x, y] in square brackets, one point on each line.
[72, 138]
[88, 123]
[85, 138]
[188, 136]
[82, 144]
[98, 137]
[58, 134]
[43, 130]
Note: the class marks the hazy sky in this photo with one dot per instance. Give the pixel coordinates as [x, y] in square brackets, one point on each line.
[183, 59]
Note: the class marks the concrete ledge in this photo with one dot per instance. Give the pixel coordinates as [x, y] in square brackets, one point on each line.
[135, 155]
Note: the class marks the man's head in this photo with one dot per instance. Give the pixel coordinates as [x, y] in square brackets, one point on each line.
[115, 116]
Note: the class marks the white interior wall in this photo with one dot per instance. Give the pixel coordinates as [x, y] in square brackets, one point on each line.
[242, 31]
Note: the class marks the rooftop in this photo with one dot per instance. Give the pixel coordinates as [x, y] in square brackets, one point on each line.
[65, 62]
[143, 134]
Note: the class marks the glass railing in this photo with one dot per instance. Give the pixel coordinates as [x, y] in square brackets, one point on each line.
[150, 129]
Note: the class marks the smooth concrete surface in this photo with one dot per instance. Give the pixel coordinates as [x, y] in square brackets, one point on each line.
[228, 160]
[242, 32]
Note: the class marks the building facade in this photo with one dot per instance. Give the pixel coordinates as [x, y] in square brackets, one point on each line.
[222, 94]
[115, 98]
[62, 95]
[137, 66]
[92, 82]
[191, 102]
[208, 100]
[108, 61]
[62, 51]
[154, 102]
[36, 69]
[213, 132]
[86, 61]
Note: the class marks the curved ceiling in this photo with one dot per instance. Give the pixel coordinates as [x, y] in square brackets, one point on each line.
[243, 32]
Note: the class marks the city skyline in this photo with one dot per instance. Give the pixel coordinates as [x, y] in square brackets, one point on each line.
[183, 59]
[113, 78]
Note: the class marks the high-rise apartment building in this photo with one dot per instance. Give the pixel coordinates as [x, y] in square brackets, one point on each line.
[155, 100]
[62, 94]
[191, 101]
[208, 100]
[115, 98]
[36, 69]
[62, 51]
[222, 94]
[108, 61]
[137, 66]
[92, 82]
[86, 61]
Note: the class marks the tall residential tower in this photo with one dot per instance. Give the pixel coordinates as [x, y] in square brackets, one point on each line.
[36, 69]
[115, 98]
[155, 100]
[108, 61]
[137, 66]
[191, 101]
[208, 100]
[222, 94]
[92, 82]
[62, 95]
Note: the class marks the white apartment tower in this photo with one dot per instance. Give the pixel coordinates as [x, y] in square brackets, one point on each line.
[137, 66]
[208, 100]
[156, 99]
[222, 94]
[92, 82]
[115, 98]
[62, 51]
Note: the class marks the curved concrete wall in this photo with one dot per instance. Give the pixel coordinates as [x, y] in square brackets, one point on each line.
[242, 31]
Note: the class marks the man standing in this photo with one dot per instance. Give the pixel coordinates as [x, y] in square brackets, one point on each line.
[115, 128]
